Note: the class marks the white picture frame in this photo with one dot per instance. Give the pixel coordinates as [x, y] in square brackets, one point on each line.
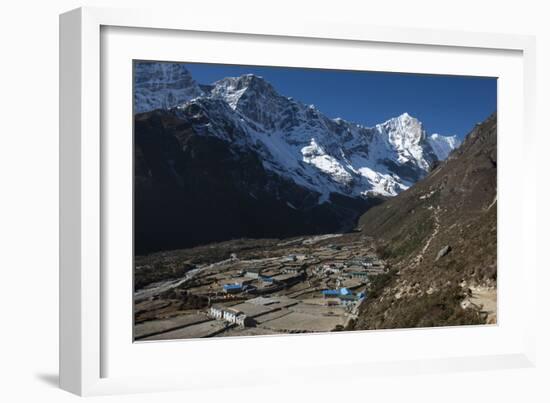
[86, 333]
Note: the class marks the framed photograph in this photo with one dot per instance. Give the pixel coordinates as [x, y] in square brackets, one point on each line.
[307, 200]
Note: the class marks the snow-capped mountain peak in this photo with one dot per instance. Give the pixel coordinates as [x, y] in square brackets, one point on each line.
[162, 86]
[257, 100]
[405, 134]
[232, 89]
[403, 130]
[443, 145]
[294, 140]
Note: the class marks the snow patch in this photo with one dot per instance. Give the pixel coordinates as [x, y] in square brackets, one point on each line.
[289, 204]
[443, 145]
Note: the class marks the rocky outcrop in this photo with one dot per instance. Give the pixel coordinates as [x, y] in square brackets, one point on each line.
[443, 252]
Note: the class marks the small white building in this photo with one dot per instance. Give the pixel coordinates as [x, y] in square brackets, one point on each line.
[253, 273]
[229, 315]
[215, 312]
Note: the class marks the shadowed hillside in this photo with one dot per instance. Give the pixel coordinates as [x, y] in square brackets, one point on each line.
[192, 189]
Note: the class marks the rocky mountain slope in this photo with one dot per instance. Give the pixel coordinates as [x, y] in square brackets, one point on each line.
[162, 86]
[237, 156]
[440, 237]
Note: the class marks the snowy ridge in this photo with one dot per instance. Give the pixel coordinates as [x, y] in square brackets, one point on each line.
[443, 145]
[162, 86]
[295, 140]
[405, 134]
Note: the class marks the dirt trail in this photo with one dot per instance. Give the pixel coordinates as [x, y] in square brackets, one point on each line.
[160, 287]
[418, 258]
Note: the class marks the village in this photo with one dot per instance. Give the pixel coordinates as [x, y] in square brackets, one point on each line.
[301, 285]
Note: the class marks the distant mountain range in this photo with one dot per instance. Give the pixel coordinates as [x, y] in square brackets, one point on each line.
[237, 159]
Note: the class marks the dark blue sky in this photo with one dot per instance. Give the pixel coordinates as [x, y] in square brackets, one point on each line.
[444, 104]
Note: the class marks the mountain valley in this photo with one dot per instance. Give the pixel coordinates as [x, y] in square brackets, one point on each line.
[257, 214]
[239, 157]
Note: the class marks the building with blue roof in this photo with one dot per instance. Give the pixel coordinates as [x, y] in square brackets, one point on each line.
[345, 291]
[232, 288]
[330, 293]
[336, 293]
[266, 279]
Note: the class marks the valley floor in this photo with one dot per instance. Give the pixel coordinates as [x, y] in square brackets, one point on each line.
[298, 285]
[253, 287]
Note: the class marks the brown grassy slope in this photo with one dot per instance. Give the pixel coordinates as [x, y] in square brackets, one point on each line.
[453, 206]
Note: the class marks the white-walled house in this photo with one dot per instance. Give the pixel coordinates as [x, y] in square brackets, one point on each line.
[229, 315]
